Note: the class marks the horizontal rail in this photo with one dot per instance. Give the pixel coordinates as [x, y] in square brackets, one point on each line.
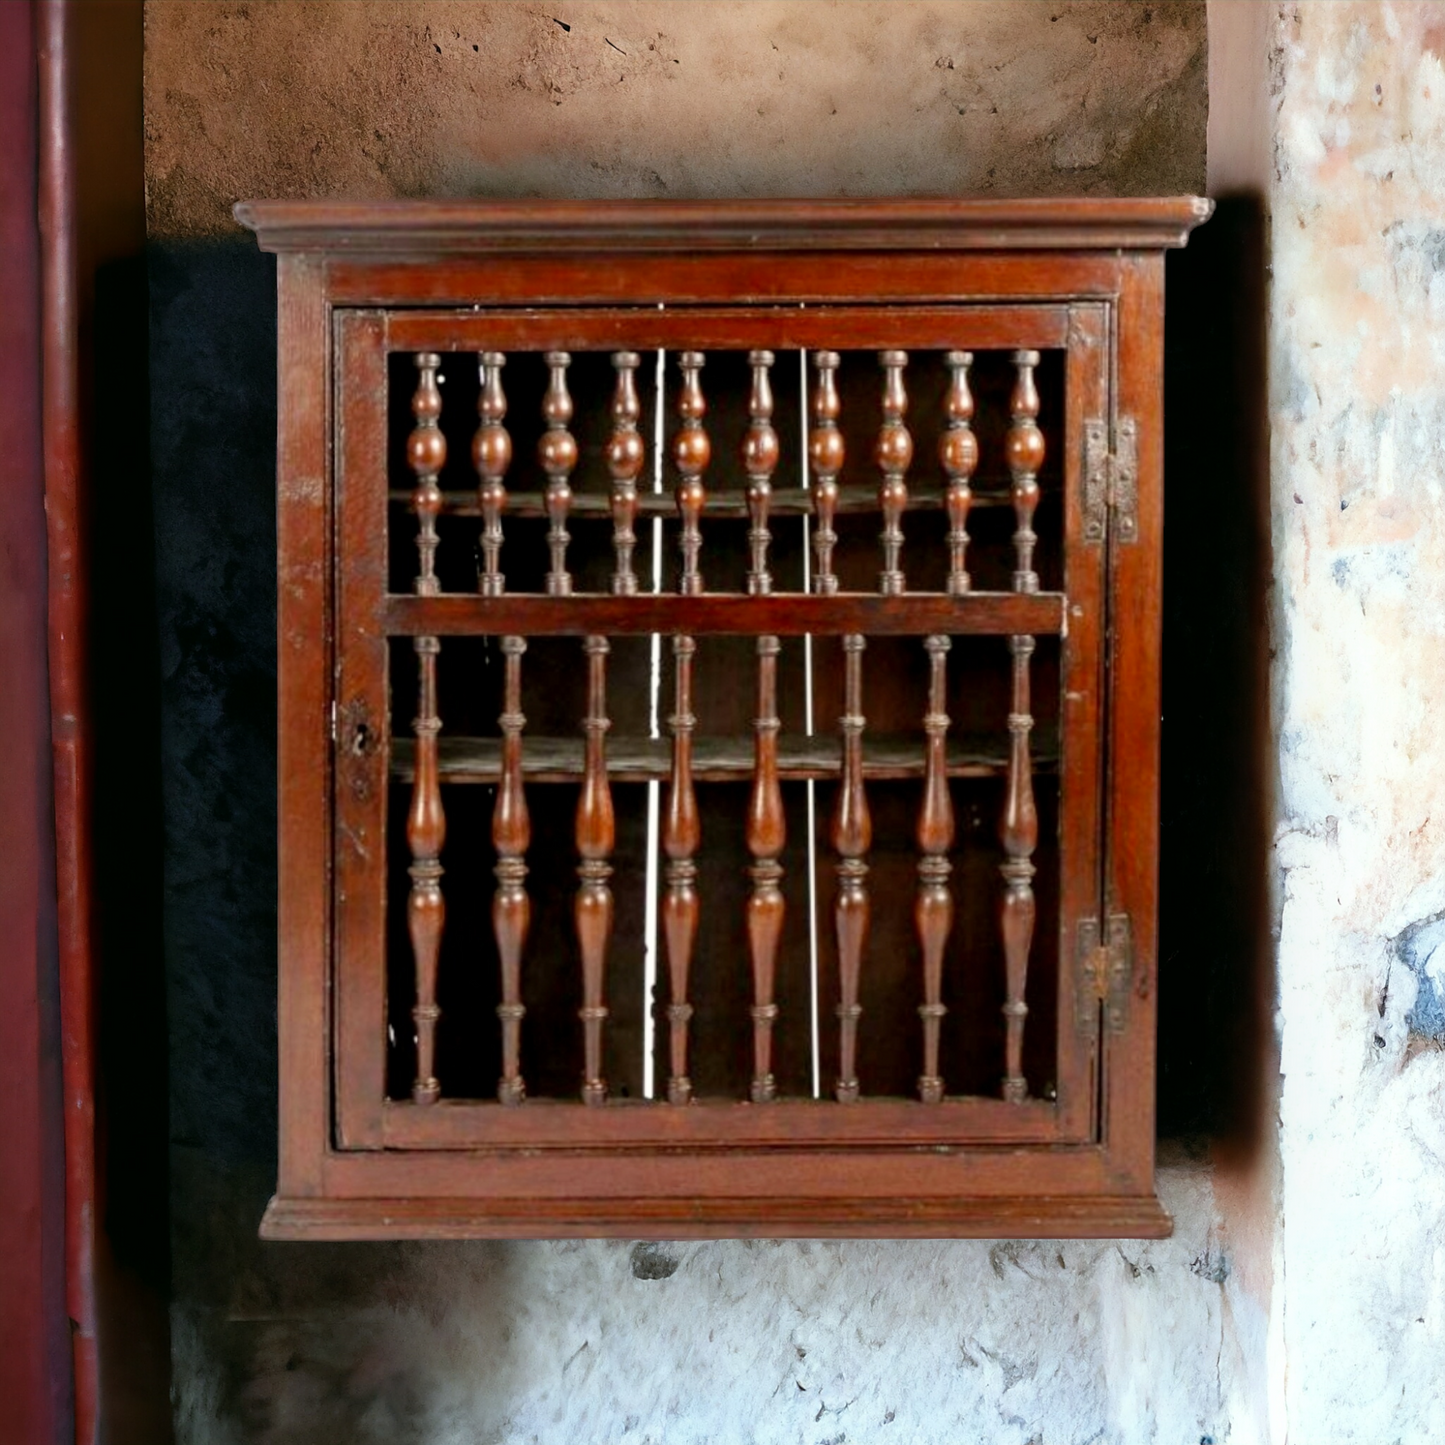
[983, 327]
[783, 614]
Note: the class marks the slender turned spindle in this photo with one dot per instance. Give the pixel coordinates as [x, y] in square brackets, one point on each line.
[492, 455]
[691, 452]
[760, 459]
[426, 824]
[852, 835]
[625, 455]
[681, 835]
[511, 908]
[557, 452]
[825, 459]
[766, 834]
[596, 835]
[893, 452]
[933, 910]
[1019, 826]
[1024, 445]
[958, 456]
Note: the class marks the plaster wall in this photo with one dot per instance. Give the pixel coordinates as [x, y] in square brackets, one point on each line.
[1358, 475]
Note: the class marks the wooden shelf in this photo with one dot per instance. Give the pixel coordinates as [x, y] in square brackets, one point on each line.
[715, 760]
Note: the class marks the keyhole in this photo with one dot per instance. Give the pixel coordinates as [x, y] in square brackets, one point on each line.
[360, 740]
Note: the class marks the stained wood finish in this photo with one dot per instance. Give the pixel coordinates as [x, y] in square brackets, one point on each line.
[511, 908]
[491, 456]
[596, 837]
[426, 826]
[901, 281]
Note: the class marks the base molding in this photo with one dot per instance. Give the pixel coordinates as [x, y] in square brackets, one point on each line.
[1100, 1217]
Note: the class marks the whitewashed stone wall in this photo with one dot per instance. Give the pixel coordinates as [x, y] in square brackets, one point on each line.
[1357, 402]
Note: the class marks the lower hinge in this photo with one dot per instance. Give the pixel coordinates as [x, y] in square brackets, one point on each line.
[1111, 480]
[1104, 973]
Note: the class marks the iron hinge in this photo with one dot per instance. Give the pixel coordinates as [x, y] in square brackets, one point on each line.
[1105, 972]
[1111, 480]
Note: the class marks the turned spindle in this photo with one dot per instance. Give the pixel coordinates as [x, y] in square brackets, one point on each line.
[426, 825]
[681, 834]
[958, 456]
[511, 908]
[893, 452]
[852, 833]
[596, 836]
[491, 456]
[557, 453]
[1024, 447]
[825, 461]
[625, 456]
[1019, 833]
[691, 451]
[933, 908]
[760, 460]
[766, 834]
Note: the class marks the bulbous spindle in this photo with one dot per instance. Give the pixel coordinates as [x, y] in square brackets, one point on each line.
[825, 461]
[852, 835]
[1024, 447]
[766, 834]
[1019, 833]
[760, 460]
[491, 456]
[691, 452]
[557, 453]
[625, 456]
[681, 834]
[893, 452]
[426, 822]
[511, 908]
[958, 456]
[933, 909]
[596, 837]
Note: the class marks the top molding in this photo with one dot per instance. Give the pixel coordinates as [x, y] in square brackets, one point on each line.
[429, 228]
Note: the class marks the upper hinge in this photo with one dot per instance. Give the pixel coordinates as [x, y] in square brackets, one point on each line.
[1104, 973]
[1111, 480]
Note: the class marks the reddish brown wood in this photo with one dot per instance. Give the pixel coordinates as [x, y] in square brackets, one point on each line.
[958, 456]
[852, 836]
[557, 453]
[933, 912]
[825, 459]
[426, 822]
[491, 456]
[625, 456]
[760, 460]
[555, 279]
[596, 837]
[682, 832]
[511, 908]
[691, 452]
[893, 454]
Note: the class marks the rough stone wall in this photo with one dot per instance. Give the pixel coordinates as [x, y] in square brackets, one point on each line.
[1357, 400]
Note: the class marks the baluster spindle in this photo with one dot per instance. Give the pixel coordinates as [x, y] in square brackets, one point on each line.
[766, 834]
[625, 456]
[596, 836]
[681, 835]
[825, 460]
[1024, 444]
[852, 836]
[491, 456]
[893, 453]
[557, 453]
[933, 910]
[426, 825]
[958, 456]
[760, 459]
[691, 452]
[511, 908]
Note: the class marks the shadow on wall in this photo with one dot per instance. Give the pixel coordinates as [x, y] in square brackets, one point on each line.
[1216, 980]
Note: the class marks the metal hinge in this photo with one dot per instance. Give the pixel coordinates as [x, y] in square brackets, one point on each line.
[1111, 480]
[1105, 973]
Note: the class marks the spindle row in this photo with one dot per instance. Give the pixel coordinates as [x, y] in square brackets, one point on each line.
[625, 454]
